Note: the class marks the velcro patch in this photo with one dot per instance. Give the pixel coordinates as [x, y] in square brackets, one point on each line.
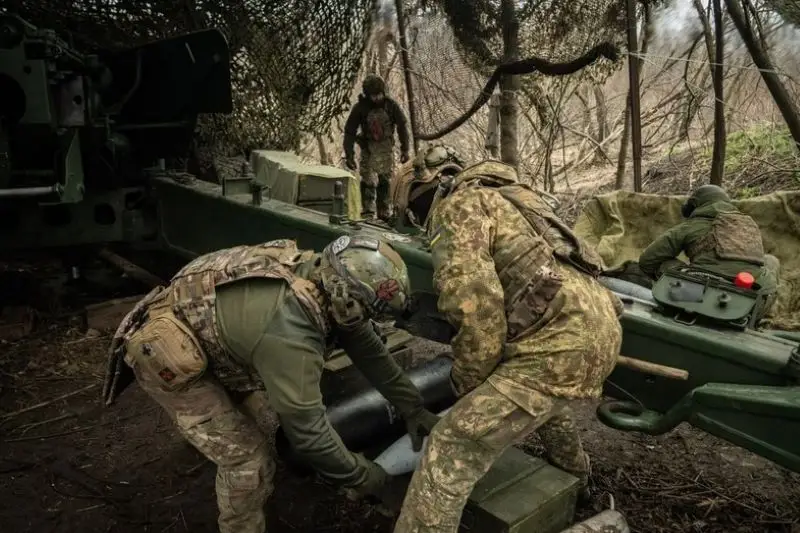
[166, 374]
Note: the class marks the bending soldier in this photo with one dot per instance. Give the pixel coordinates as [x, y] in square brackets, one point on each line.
[376, 115]
[534, 330]
[262, 317]
[715, 237]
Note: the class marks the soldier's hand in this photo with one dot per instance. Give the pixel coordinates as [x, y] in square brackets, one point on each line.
[404, 157]
[371, 487]
[351, 164]
[419, 426]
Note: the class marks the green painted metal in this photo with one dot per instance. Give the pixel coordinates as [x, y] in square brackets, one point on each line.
[708, 298]
[190, 215]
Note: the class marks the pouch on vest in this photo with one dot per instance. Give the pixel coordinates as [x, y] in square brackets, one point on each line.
[698, 296]
[737, 238]
[165, 353]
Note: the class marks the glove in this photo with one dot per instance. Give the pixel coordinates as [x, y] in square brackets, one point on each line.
[351, 164]
[419, 426]
[404, 157]
[371, 487]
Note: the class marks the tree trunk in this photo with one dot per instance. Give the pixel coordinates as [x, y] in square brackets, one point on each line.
[509, 86]
[715, 50]
[763, 62]
[626, 131]
[601, 113]
[720, 134]
[622, 158]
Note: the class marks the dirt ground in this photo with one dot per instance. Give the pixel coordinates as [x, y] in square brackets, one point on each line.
[68, 464]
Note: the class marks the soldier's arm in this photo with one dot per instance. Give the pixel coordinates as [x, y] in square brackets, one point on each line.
[470, 293]
[402, 125]
[373, 359]
[291, 372]
[668, 246]
[351, 130]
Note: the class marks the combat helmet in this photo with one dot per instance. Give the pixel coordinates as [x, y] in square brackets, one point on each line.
[369, 271]
[373, 84]
[703, 195]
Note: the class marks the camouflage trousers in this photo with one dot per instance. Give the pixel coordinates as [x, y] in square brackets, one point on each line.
[375, 190]
[169, 366]
[376, 166]
[463, 446]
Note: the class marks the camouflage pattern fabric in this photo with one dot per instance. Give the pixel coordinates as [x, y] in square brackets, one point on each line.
[169, 366]
[510, 387]
[573, 352]
[193, 293]
[466, 442]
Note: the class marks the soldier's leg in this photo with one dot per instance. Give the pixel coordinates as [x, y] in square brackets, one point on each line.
[383, 200]
[169, 366]
[460, 450]
[369, 185]
[563, 446]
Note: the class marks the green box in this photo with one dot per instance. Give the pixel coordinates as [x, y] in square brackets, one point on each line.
[521, 494]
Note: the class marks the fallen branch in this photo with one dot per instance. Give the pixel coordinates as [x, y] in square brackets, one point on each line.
[48, 402]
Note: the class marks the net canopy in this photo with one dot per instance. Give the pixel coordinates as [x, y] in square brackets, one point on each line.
[293, 61]
[451, 59]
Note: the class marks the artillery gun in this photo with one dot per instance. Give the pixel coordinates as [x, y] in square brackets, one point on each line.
[91, 152]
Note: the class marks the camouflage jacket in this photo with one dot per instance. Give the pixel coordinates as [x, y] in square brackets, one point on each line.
[501, 258]
[716, 237]
[193, 292]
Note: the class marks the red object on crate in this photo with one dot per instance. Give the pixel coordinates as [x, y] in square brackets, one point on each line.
[744, 280]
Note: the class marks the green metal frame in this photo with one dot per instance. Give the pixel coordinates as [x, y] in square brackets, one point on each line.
[741, 385]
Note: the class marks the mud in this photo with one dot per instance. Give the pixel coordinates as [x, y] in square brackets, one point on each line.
[71, 465]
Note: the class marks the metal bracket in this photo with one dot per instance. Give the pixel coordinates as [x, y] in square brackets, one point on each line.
[762, 419]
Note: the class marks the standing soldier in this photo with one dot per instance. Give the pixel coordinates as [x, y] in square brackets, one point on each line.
[376, 115]
[262, 317]
[534, 330]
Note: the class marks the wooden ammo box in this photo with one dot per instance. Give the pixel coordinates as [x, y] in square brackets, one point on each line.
[521, 494]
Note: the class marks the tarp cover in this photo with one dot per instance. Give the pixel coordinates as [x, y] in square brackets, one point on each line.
[282, 172]
[621, 224]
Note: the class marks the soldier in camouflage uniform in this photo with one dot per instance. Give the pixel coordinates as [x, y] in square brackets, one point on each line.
[253, 318]
[535, 330]
[376, 115]
[715, 237]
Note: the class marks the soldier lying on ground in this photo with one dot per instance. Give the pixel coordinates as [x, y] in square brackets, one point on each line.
[259, 317]
[376, 115]
[715, 237]
[534, 330]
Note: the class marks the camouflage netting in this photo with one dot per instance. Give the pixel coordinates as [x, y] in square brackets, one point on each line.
[621, 225]
[788, 9]
[450, 66]
[293, 61]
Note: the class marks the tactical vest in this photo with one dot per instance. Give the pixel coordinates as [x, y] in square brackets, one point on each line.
[734, 236]
[193, 295]
[378, 127]
[531, 286]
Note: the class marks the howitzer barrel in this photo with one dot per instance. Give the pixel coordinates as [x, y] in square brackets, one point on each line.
[366, 418]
